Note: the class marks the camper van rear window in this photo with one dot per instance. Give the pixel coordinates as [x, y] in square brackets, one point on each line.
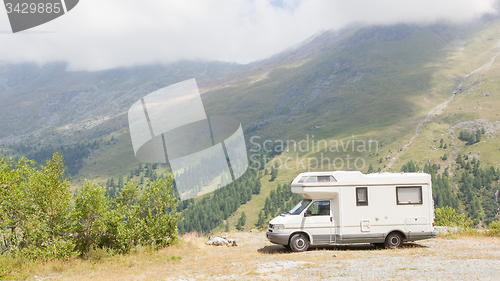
[409, 195]
[361, 196]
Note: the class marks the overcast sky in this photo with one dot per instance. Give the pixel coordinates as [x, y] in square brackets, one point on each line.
[101, 34]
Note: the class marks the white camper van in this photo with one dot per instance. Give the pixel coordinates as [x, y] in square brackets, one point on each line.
[384, 209]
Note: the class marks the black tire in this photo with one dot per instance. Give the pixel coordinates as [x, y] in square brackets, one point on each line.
[299, 243]
[393, 241]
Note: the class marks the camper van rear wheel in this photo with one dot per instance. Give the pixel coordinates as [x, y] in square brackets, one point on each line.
[393, 240]
[299, 243]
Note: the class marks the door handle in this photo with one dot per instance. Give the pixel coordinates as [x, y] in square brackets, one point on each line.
[331, 219]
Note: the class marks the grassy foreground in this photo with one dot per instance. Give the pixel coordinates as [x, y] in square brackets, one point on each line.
[255, 257]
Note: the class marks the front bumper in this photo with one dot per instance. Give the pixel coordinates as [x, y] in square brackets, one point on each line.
[280, 239]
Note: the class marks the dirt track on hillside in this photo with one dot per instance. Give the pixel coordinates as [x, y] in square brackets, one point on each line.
[438, 110]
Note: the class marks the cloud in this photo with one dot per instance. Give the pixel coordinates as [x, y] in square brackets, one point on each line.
[101, 34]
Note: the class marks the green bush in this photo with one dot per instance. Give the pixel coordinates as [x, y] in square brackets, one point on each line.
[447, 216]
[123, 220]
[91, 207]
[36, 209]
[40, 219]
[494, 228]
[157, 214]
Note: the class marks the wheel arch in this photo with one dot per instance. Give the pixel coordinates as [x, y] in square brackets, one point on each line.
[307, 234]
[405, 238]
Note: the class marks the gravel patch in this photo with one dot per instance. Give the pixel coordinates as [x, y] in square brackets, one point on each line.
[476, 258]
[279, 265]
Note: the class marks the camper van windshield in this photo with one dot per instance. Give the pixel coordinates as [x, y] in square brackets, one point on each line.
[299, 207]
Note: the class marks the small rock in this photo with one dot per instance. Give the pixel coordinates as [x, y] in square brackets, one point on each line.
[254, 230]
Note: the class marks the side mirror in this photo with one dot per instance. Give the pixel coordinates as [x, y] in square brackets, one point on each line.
[307, 213]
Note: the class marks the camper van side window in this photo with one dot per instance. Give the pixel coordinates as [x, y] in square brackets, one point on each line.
[409, 195]
[361, 196]
[320, 208]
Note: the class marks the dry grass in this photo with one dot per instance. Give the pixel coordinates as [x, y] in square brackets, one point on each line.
[255, 258]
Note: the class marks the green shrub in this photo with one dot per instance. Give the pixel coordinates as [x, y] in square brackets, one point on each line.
[494, 228]
[122, 220]
[447, 216]
[91, 208]
[46, 213]
[40, 219]
[157, 214]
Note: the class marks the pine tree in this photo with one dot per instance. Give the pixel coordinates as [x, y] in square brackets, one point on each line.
[267, 206]
[262, 219]
[241, 222]
[274, 173]
[257, 187]
[459, 158]
[370, 169]
[467, 166]
[471, 140]
[120, 183]
[478, 135]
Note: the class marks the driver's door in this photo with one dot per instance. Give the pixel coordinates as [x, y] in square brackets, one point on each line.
[318, 221]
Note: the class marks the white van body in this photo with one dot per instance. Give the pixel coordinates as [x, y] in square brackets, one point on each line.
[350, 207]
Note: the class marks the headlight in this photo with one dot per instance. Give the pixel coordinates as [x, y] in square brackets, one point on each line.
[278, 226]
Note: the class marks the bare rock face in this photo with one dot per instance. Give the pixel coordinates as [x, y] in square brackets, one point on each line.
[221, 241]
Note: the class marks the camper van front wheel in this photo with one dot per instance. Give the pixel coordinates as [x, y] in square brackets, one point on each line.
[393, 240]
[299, 243]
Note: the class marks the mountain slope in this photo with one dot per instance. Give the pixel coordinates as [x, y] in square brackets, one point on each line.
[390, 86]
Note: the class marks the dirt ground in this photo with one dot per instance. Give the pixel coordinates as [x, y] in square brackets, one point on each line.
[442, 258]
[460, 258]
